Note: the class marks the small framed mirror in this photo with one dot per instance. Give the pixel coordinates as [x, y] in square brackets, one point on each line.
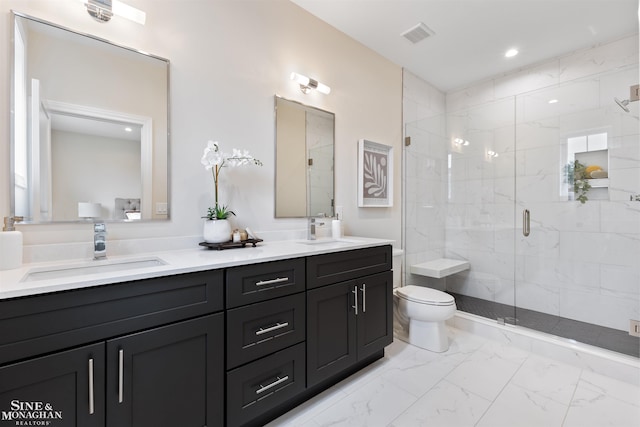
[89, 127]
[304, 160]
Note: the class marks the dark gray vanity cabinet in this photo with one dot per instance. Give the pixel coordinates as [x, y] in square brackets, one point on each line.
[234, 347]
[68, 386]
[142, 353]
[167, 376]
[266, 318]
[350, 320]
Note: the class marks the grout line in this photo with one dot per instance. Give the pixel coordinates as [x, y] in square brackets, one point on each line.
[573, 395]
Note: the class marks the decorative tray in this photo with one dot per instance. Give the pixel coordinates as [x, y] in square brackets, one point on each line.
[230, 244]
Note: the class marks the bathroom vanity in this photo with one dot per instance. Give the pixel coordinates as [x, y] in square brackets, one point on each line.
[238, 339]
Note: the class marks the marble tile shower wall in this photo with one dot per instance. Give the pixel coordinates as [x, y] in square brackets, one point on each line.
[581, 260]
[425, 173]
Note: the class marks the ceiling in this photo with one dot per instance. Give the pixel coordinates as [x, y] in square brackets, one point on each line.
[95, 127]
[471, 36]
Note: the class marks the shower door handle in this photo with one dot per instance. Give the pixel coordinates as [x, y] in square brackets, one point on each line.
[526, 222]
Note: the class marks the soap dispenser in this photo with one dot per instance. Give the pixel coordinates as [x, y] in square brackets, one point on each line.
[10, 244]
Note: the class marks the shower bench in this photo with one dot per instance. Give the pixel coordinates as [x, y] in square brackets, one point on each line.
[439, 268]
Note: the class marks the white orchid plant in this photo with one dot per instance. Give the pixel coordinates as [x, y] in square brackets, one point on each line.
[214, 159]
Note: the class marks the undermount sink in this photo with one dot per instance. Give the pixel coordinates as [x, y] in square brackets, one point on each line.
[92, 267]
[326, 241]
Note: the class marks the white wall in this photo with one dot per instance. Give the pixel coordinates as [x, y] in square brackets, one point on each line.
[228, 59]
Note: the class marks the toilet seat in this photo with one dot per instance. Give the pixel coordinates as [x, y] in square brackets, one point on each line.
[427, 296]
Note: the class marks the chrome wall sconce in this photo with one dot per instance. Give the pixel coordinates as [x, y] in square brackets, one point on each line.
[307, 84]
[103, 10]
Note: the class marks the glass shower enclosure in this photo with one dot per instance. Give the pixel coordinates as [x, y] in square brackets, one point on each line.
[540, 192]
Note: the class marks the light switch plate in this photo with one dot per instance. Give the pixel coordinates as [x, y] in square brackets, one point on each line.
[161, 208]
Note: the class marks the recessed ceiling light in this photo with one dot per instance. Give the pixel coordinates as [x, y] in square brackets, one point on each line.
[553, 101]
[128, 129]
[511, 53]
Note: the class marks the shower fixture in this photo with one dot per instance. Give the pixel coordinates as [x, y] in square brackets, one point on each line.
[623, 104]
[634, 95]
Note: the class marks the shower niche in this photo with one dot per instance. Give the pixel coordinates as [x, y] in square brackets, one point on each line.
[589, 156]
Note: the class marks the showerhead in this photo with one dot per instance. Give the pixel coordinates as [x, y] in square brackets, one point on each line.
[623, 104]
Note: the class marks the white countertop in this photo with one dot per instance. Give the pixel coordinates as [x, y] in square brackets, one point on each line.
[12, 284]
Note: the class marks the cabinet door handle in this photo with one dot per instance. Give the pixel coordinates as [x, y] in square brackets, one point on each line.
[91, 395]
[364, 298]
[526, 222]
[355, 299]
[278, 380]
[272, 281]
[120, 376]
[272, 328]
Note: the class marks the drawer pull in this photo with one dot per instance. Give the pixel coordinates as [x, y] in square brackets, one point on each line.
[120, 376]
[272, 328]
[91, 395]
[279, 380]
[272, 281]
[355, 298]
[364, 298]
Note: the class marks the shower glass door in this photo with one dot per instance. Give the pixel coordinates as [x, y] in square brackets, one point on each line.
[577, 211]
[480, 197]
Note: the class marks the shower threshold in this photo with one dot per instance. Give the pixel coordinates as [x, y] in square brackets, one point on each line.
[587, 333]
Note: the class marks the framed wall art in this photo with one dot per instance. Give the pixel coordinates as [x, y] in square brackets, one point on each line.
[375, 174]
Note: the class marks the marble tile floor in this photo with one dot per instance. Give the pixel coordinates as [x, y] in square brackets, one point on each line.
[477, 382]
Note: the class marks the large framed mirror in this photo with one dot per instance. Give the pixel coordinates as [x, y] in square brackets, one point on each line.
[90, 127]
[304, 160]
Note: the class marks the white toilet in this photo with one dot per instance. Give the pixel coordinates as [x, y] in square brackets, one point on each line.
[421, 313]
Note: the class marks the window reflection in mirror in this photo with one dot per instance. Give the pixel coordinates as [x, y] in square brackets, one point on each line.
[90, 125]
[304, 160]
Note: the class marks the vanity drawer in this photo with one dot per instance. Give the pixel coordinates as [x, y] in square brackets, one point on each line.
[259, 282]
[258, 329]
[264, 384]
[337, 267]
[44, 323]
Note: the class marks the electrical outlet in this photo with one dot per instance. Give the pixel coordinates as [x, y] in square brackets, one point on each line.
[634, 328]
[161, 208]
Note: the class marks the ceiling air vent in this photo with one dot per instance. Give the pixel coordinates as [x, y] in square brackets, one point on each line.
[418, 33]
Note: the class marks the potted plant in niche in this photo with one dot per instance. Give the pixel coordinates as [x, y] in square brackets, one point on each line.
[216, 226]
[578, 177]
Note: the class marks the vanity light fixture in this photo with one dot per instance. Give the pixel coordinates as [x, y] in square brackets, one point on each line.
[492, 153]
[460, 141]
[128, 129]
[306, 84]
[103, 10]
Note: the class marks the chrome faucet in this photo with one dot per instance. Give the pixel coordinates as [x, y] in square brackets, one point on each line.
[311, 228]
[99, 240]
